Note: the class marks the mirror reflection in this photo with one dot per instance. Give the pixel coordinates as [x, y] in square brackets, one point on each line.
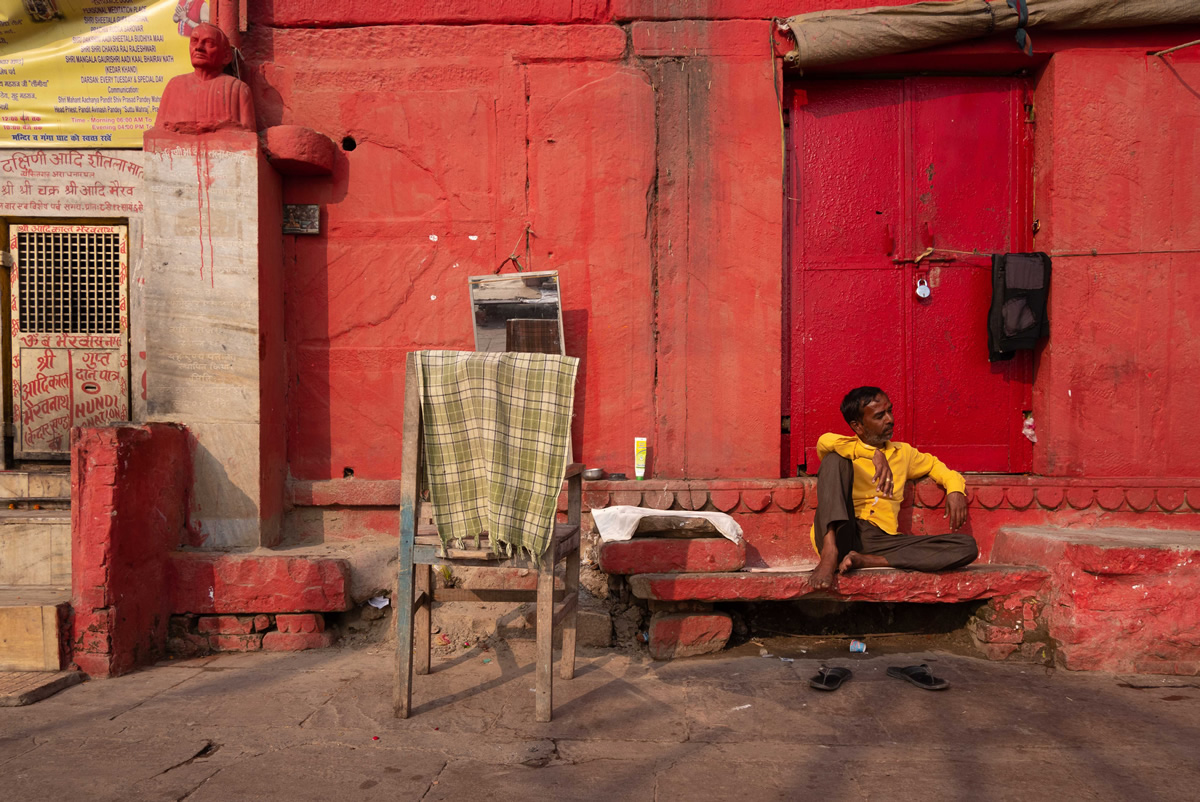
[517, 312]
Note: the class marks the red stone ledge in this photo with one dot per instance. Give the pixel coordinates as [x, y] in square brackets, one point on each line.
[873, 585]
[203, 583]
[984, 491]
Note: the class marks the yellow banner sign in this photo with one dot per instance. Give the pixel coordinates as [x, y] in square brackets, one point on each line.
[89, 73]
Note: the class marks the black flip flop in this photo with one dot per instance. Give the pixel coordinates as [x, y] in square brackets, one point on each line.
[830, 679]
[920, 676]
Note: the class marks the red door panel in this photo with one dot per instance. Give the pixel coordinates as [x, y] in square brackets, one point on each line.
[963, 140]
[879, 172]
[847, 216]
[968, 407]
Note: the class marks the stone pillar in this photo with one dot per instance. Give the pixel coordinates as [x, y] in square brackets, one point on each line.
[214, 325]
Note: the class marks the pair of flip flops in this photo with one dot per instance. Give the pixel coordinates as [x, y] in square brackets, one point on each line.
[830, 679]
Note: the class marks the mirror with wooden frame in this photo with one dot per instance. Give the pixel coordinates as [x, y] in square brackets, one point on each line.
[519, 312]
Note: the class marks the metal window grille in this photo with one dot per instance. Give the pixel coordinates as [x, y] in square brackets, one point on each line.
[69, 282]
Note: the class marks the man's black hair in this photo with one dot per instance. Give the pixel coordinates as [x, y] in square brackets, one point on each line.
[855, 402]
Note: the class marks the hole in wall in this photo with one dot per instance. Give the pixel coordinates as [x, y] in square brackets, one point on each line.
[348, 143]
[347, 473]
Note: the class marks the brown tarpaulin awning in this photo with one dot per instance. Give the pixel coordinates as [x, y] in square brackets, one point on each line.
[830, 37]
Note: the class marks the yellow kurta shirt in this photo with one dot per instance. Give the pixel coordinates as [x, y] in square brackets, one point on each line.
[906, 463]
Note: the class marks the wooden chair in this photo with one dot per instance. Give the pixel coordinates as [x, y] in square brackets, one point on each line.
[419, 552]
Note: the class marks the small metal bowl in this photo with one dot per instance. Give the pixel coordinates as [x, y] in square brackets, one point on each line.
[592, 474]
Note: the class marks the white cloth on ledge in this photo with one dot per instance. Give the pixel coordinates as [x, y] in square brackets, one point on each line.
[621, 521]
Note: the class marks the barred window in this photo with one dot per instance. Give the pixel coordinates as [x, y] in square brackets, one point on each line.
[69, 282]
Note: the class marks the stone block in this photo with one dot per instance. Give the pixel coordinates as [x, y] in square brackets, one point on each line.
[593, 629]
[129, 487]
[262, 623]
[236, 643]
[225, 625]
[993, 633]
[688, 634]
[296, 641]
[296, 150]
[652, 555]
[188, 645]
[256, 583]
[300, 622]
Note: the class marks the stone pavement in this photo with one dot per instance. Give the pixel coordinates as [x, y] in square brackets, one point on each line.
[317, 726]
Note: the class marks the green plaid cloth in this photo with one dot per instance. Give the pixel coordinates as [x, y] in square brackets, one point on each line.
[496, 429]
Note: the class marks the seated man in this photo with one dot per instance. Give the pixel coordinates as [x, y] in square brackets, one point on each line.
[859, 488]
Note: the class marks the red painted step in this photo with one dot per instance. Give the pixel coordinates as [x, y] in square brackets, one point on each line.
[981, 581]
[1118, 599]
[663, 555]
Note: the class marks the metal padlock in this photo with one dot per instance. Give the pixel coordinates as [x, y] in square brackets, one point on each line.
[923, 290]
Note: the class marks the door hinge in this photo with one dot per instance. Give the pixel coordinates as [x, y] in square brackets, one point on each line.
[785, 424]
[1030, 114]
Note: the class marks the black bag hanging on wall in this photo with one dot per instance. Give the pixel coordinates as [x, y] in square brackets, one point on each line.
[1018, 316]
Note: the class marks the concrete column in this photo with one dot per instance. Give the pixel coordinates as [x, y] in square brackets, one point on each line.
[214, 326]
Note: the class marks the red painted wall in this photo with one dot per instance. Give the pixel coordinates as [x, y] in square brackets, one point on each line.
[1117, 156]
[641, 143]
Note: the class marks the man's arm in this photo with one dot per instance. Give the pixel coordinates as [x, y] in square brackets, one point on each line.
[951, 481]
[852, 448]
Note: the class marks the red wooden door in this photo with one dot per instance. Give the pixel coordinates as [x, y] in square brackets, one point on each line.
[880, 171]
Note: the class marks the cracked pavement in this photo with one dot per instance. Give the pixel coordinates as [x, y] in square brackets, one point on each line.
[318, 726]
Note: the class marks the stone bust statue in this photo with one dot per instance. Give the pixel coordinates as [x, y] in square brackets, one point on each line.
[206, 99]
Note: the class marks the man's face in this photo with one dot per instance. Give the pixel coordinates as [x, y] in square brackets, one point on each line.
[208, 49]
[875, 428]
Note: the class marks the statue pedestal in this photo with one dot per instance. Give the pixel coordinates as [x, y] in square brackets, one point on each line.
[214, 326]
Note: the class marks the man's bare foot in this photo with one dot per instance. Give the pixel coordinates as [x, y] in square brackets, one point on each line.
[855, 560]
[822, 575]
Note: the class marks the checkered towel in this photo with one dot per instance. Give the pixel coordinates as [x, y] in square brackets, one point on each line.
[496, 429]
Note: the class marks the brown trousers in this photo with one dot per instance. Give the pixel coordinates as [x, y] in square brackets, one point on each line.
[835, 505]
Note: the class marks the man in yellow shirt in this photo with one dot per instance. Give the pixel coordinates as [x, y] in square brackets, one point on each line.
[859, 488]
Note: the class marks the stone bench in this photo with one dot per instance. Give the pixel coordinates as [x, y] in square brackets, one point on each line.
[1097, 598]
[682, 578]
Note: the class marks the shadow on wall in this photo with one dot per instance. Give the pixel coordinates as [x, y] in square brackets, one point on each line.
[575, 332]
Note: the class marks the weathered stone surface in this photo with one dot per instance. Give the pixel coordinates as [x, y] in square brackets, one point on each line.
[688, 634]
[993, 633]
[997, 651]
[300, 623]
[254, 583]
[225, 625]
[296, 641]
[212, 285]
[129, 490]
[974, 582]
[643, 555]
[1117, 599]
[296, 150]
[594, 628]
[236, 643]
